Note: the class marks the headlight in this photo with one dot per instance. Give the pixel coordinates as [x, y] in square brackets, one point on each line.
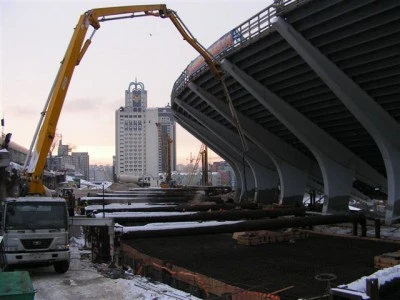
[62, 247]
[10, 249]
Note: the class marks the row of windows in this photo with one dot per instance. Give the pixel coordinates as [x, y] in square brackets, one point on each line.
[135, 138]
[132, 122]
[130, 147]
[130, 116]
[135, 142]
[128, 166]
[136, 157]
[127, 147]
[138, 128]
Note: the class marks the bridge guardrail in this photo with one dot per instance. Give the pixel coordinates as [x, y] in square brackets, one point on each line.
[241, 35]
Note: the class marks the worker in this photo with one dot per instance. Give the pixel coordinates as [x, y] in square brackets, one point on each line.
[84, 204]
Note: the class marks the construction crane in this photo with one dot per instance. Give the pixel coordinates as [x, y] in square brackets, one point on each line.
[166, 155]
[190, 159]
[204, 166]
[192, 174]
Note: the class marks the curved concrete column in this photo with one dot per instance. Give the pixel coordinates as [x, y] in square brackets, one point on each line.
[326, 150]
[266, 184]
[248, 183]
[377, 121]
[337, 186]
[265, 176]
[294, 181]
[292, 165]
[186, 123]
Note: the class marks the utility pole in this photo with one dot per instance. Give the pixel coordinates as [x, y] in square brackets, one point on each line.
[204, 164]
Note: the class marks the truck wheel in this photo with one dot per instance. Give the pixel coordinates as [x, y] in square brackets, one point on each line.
[61, 266]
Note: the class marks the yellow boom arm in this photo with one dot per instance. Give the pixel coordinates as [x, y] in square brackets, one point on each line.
[44, 136]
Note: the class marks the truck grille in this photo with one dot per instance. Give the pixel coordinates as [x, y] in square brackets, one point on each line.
[36, 243]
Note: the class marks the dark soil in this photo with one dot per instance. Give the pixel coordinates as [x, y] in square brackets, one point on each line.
[271, 267]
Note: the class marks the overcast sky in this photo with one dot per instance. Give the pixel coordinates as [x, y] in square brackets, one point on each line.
[34, 36]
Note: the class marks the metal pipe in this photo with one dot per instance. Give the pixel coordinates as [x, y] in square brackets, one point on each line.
[211, 216]
[181, 207]
[165, 208]
[249, 226]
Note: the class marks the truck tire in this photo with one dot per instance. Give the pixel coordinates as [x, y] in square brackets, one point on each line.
[61, 266]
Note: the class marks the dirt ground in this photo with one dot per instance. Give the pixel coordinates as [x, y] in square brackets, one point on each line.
[301, 266]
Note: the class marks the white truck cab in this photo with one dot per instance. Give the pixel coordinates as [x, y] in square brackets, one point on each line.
[35, 232]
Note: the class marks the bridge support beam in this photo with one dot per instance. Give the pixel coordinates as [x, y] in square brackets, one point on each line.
[382, 127]
[292, 165]
[265, 176]
[335, 161]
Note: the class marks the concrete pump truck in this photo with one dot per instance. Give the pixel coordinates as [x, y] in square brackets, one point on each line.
[34, 229]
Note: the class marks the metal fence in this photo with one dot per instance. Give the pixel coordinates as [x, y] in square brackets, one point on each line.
[247, 32]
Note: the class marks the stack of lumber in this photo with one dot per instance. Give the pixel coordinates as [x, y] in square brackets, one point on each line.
[268, 236]
[387, 260]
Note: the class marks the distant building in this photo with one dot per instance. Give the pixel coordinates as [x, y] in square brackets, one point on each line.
[141, 135]
[63, 150]
[76, 164]
[226, 171]
[100, 173]
[81, 162]
[61, 164]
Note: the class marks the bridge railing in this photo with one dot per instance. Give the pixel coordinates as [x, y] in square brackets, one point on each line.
[250, 30]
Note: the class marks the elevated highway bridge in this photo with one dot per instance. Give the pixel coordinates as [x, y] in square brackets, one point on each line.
[315, 86]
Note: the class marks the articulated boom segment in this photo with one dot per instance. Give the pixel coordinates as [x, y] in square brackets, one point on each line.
[45, 132]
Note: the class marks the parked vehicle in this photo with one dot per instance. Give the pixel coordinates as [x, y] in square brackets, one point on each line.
[35, 232]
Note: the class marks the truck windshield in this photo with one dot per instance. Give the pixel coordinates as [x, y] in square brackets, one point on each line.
[36, 215]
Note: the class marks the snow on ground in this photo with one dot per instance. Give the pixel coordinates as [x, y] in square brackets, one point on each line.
[384, 276]
[140, 214]
[121, 206]
[84, 280]
[172, 225]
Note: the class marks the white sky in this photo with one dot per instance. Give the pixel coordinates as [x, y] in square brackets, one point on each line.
[35, 34]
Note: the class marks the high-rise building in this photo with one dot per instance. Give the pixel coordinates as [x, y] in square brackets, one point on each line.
[81, 162]
[142, 134]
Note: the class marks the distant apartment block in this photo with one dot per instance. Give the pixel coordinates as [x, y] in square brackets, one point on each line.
[74, 164]
[142, 134]
[81, 162]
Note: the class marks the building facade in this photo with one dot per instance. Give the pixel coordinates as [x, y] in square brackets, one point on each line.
[81, 162]
[74, 164]
[141, 134]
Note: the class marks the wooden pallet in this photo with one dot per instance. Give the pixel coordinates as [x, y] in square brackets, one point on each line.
[387, 260]
[268, 236]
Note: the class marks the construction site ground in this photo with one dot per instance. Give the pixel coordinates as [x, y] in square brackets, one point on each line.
[304, 268]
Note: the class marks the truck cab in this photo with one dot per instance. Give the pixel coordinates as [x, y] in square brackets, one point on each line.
[35, 232]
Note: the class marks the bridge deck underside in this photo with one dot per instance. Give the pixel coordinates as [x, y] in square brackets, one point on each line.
[362, 38]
